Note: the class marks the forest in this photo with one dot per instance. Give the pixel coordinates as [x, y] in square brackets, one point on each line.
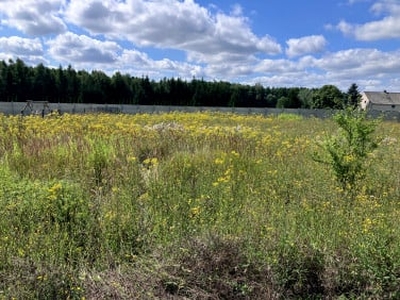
[20, 82]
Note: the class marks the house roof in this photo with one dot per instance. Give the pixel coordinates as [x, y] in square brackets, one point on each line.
[383, 98]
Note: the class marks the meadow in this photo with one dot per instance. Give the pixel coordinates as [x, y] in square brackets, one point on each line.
[192, 206]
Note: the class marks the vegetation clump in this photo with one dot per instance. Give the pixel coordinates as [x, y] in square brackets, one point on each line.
[349, 151]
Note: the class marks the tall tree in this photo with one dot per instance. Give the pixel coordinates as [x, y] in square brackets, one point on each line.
[260, 98]
[293, 96]
[3, 81]
[305, 96]
[73, 85]
[61, 85]
[271, 99]
[283, 102]
[43, 85]
[121, 89]
[101, 89]
[145, 92]
[200, 92]
[353, 95]
[18, 80]
[329, 96]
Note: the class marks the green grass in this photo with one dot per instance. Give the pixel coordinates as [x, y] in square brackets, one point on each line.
[191, 206]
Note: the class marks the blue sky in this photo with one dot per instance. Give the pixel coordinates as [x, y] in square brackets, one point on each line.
[272, 42]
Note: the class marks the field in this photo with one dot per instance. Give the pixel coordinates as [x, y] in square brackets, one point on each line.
[192, 206]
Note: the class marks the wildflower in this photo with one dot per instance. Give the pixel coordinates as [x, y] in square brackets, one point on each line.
[55, 188]
[234, 153]
[131, 159]
[219, 161]
[194, 211]
[367, 225]
[348, 158]
[54, 191]
[151, 161]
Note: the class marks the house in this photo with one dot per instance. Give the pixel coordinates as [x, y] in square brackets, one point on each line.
[380, 101]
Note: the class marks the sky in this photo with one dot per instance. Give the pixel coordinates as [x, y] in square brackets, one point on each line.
[276, 43]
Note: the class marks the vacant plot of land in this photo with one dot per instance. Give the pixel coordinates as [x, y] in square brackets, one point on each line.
[192, 206]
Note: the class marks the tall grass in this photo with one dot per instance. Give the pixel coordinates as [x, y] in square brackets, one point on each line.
[195, 205]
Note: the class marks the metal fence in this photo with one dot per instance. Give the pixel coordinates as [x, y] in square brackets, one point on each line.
[43, 108]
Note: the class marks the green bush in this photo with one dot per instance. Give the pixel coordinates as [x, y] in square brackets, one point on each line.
[348, 152]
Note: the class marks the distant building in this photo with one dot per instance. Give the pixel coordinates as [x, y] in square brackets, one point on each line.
[380, 101]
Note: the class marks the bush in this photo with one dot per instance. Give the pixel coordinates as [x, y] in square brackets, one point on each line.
[348, 153]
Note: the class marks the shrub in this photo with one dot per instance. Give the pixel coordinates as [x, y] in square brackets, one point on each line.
[348, 153]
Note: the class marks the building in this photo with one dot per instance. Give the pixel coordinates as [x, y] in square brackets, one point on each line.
[380, 101]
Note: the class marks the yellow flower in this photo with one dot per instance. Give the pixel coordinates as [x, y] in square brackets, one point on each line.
[348, 158]
[151, 161]
[54, 191]
[234, 153]
[194, 211]
[367, 225]
[219, 161]
[131, 158]
[55, 188]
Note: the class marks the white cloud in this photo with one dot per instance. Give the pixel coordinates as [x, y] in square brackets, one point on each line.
[88, 53]
[70, 47]
[391, 7]
[135, 58]
[18, 46]
[33, 17]
[305, 45]
[237, 10]
[369, 68]
[29, 50]
[277, 66]
[360, 63]
[344, 27]
[139, 63]
[388, 27]
[351, 2]
[183, 25]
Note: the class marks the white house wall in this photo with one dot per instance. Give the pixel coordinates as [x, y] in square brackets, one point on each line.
[364, 101]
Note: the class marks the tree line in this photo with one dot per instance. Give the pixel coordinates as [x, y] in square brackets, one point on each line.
[20, 82]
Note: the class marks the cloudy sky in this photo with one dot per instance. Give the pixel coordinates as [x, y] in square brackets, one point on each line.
[273, 42]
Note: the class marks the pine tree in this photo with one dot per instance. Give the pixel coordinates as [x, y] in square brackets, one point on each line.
[353, 96]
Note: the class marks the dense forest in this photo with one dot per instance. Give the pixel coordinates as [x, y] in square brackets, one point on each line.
[20, 82]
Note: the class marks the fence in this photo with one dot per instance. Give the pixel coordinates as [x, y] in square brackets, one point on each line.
[42, 108]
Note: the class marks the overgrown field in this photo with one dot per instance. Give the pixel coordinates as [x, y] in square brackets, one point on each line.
[192, 206]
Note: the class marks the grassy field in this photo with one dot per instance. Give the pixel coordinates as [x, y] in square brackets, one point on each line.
[192, 206]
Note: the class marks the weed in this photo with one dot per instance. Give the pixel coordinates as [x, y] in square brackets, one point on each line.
[348, 153]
